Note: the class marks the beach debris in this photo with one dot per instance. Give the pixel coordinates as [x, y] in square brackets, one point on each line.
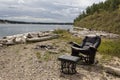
[38, 39]
[46, 47]
[52, 49]
[82, 32]
[8, 42]
[19, 40]
[28, 37]
[1, 45]
[112, 70]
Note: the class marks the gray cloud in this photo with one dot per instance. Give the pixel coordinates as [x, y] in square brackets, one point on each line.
[43, 10]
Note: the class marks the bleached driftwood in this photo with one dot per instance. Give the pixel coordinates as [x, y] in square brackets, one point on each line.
[8, 42]
[112, 70]
[27, 37]
[19, 40]
[38, 39]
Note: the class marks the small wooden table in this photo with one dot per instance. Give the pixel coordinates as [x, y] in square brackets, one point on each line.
[68, 64]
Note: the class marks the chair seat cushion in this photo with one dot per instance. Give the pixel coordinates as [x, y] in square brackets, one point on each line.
[69, 58]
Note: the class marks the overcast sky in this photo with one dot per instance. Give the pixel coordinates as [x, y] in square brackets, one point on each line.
[43, 10]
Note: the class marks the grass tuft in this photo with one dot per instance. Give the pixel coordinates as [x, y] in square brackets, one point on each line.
[110, 47]
[67, 36]
[38, 55]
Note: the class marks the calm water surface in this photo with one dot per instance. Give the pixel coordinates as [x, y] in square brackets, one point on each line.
[12, 29]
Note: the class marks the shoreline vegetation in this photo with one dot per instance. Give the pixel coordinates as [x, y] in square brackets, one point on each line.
[46, 23]
[101, 16]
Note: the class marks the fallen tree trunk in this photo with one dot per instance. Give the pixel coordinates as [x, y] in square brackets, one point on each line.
[112, 70]
[38, 39]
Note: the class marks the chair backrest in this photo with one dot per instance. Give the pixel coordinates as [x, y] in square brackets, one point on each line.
[92, 40]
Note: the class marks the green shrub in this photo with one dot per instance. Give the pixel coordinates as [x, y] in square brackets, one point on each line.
[59, 31]
[110, 47]
[66, 35]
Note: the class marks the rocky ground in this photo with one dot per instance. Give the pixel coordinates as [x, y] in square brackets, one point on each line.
[32, 62]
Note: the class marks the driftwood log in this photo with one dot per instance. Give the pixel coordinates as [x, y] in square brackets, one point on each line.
[8, 42]
[38, 39]
[112, 70]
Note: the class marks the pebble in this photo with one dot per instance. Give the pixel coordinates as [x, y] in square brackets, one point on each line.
[1, 45]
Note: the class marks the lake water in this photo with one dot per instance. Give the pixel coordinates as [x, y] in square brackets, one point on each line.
[12, 29]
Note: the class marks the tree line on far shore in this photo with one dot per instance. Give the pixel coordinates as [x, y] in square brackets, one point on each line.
[46, 23]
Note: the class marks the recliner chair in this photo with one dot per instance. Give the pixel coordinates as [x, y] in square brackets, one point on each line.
[87, 49]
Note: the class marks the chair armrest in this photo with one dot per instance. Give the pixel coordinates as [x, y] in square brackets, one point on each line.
[76, 48]
[75, 44]
[93, 48]
[80, 49]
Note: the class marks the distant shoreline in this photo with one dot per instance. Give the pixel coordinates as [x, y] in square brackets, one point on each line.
[12, 29]
[22, 22]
